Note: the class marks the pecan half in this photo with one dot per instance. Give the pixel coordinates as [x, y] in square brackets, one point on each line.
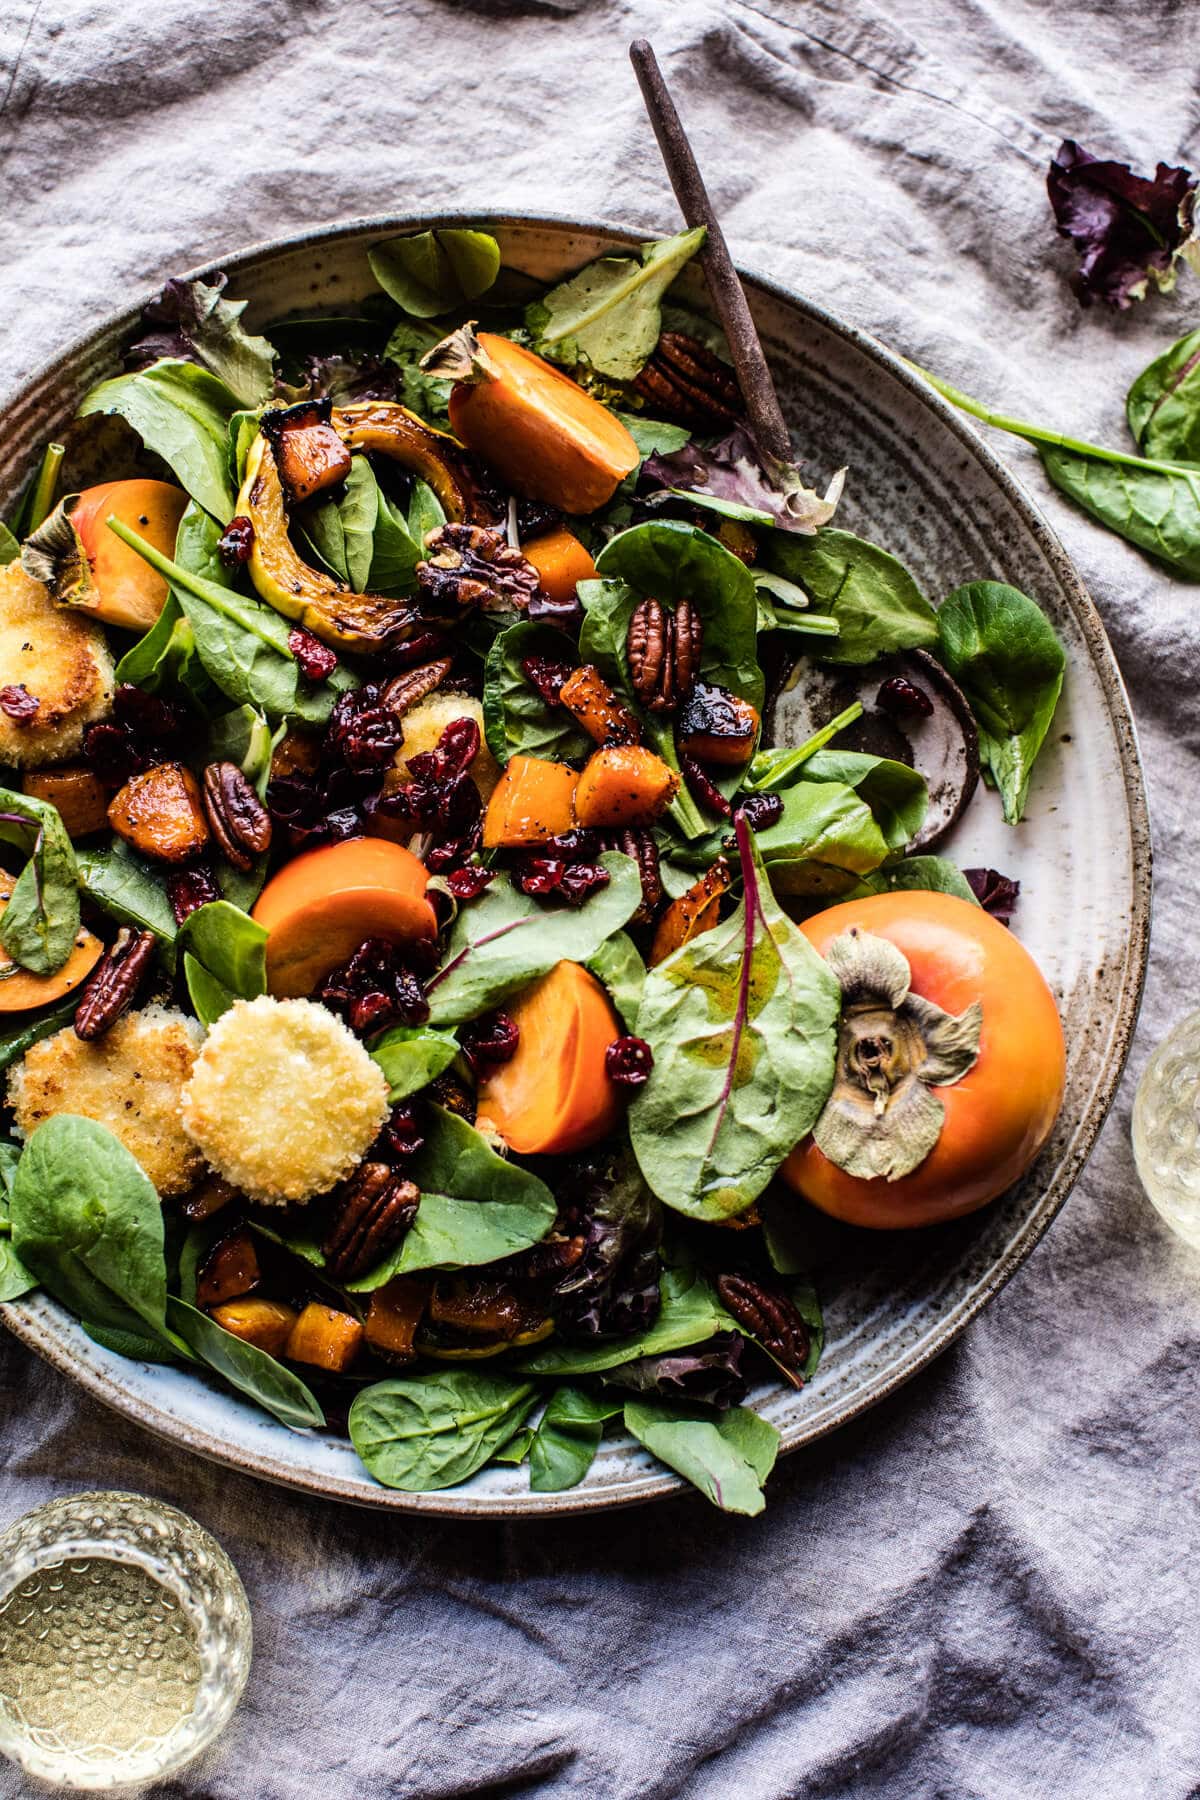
[664, 652]
[686, 383]
[113, 983]
[472, 565]
[770, 1317]
[374, 1209]
[404, 691]
[236, 816]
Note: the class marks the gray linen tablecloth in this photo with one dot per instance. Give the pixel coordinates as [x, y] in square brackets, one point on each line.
[984, 1587]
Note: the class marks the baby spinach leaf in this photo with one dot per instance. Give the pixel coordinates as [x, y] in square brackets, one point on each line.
[242, 643]
[165, 658]
[618, 964]
[15, 1278]
[499, 944]
[411, 1056]
[181, 412]
[225, 958]
[567, 1437]
[1002, 651]
[690, 1314]
[896, 794]
[476, 1207]
[432, 272]
[673, 561]
[928, 874]
[824, 823]
[654, 437]
[608, 315]
[877, 604]
[245, 1367]
[1156, 507]
[40, 923]
[515, 717]
[727, 1456]
[88, 1223]
[17, 1039]
[425, 513]
[343, 530]
[437, 1429]
[10, 547]
[127, 887]
[131, 1344]
[395, 553]
[1163, 406]
[742, 1022]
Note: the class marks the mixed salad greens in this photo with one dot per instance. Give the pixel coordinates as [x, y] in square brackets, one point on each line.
[457, 677]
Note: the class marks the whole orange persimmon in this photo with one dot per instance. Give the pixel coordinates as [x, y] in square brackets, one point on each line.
[998, 1115]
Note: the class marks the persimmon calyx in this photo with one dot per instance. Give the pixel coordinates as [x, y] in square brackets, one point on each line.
[881, 1118]
[460, 357]
[55, 556]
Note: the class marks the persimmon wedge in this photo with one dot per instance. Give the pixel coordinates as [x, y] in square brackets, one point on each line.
[324, 904]
[547, 437]
[554, 1095]
[20, 990]
[124, 590]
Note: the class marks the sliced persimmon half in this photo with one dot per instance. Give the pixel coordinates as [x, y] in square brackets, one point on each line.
[555, 1095]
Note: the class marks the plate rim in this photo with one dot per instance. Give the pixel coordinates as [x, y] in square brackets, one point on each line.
[32, 1321]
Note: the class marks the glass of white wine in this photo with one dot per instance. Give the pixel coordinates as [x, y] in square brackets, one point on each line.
[125, 1640]
[1166, 1129]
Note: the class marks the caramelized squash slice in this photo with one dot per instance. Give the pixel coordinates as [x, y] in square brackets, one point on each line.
[325, 1338]
[267, 1324]
[692, 913]
[160, 813]
[602, 713]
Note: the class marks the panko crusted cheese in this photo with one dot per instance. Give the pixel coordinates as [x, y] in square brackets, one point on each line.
[129, 1081]
[283, 1100]
[59, 657]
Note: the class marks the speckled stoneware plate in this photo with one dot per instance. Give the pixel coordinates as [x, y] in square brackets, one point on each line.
[922, 483]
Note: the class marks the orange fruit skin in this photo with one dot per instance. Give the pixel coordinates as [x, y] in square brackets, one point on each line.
[131, 593]
[1000, 1114]
[321, 906]
[548, 438]
[555, 1096]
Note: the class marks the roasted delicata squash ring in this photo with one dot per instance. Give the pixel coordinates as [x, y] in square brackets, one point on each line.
[314, 599]
[434, 1352]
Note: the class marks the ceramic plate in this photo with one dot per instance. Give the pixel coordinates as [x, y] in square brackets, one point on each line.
[921, 483]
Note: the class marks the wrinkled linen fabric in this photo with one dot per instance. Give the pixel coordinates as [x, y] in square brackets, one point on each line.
[984, 1587]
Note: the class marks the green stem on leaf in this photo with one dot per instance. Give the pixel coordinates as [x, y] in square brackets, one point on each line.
[208, 591]
[777, 774]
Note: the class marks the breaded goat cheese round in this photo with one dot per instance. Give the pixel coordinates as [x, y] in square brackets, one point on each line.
[283, 1100]
[62, 661]
[130, 1081]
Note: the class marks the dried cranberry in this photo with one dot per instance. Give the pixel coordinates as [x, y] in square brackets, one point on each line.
[451, 853]
[363, 733]
[898, 695]
[469, 882]
[189, 889]
[547, 675]
[456, 750]
[703, 788]
[111, 752]
[761, 810]
[317, 661]
[145, 730]
[374, 988]
[546, 877]
[996, 893]
[19, 704]
[490, 1041]
[581, 879]
[422, 647]
[628, 1062]
[148, 714]
[402, 1136]
[236, 542]
[579, 844]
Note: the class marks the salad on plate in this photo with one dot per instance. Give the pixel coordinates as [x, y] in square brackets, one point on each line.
[470, 879]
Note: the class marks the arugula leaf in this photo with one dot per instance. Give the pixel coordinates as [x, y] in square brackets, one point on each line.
[431, 272]
[515, 717]
[245, 1367]
[608, 315]
[242, 643]
[564, 1444]
[17, 1039]
[127, 887]
[876, 602]
[727, 1456]
[618, 964]
[88, 1223]
[435, 1430]
[498, 944]
[1163, 405]
[192, 321]
[1002, 651]
[411, 1056]
[225, 958]
[40, 923]
[181, 413]
[742, 1022]
[928, 874]
[690, 1314]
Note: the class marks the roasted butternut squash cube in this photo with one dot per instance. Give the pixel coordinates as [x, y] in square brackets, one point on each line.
[325, 1338]
[533, 802]
[309, 454]
[693, 912]
[393, 1316]
[716, 726]
[627, 785]
[160, 813]
[267, 1324]
[228, 1271]
[80, 796]
[603, 715]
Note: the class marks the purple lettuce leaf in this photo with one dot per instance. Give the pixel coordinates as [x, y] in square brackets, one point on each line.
[997, 894]
[1127, 228]
[711, 1373]
[736, 472]
[190, 320]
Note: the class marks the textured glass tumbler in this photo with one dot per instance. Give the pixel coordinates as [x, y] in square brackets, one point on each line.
[124, 1640]
[1166, 1129]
